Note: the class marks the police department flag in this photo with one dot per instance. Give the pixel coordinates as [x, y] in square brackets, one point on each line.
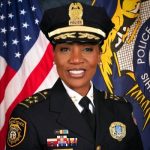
[26, 60]
[125, 68]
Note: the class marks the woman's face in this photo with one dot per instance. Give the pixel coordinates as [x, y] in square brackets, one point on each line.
[76, 64]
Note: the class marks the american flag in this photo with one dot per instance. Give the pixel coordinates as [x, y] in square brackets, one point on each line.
[26, 58]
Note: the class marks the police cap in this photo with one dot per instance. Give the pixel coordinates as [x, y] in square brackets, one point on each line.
[76, 22]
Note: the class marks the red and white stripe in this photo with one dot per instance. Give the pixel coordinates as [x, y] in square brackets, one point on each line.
[37, 72]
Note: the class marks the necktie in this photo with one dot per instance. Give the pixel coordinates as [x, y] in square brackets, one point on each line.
[86, 113]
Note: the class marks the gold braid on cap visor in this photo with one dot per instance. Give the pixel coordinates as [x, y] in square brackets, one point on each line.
[77, 29]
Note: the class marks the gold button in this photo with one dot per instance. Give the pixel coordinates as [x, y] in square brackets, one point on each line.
[98, 147]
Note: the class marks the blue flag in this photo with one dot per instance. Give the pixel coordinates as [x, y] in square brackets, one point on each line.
[125, 68]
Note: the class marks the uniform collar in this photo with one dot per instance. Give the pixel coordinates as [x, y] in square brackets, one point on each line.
[76, 97]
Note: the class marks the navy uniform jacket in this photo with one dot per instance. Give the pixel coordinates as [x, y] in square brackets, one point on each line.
[38, 123]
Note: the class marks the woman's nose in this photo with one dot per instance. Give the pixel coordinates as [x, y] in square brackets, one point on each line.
[76, 55]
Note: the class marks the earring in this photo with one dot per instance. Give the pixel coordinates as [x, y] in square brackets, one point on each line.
[100, 63]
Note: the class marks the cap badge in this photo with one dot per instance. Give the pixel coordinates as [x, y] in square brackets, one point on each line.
[117, 130]
[75, 14]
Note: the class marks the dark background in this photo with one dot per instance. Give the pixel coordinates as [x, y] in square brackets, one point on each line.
[56, 3]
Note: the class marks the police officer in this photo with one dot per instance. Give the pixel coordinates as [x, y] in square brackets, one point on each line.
[73, 114]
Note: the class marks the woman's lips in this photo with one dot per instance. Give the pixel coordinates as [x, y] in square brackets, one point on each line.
[77, 72]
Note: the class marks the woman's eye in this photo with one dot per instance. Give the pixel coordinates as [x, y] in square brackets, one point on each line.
[88, 49]
[64, 49]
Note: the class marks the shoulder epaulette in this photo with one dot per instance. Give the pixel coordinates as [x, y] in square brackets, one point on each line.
[110, 96]
[38, 97]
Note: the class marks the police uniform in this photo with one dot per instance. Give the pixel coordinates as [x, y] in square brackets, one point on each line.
[50, 120]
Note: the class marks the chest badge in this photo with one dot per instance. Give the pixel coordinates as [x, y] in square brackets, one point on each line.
[117, 130]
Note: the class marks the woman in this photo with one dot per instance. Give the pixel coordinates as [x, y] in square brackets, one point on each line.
[73, 114]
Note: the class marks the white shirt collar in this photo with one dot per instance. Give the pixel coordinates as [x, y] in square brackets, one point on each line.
[76, 97]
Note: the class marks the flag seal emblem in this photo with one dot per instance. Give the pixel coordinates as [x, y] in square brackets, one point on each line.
[17, 131]
[117, 130]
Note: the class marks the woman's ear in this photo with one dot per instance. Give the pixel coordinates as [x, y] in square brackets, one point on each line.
[54, 53]
[99, 56]
[54, 58]
[99, 60]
